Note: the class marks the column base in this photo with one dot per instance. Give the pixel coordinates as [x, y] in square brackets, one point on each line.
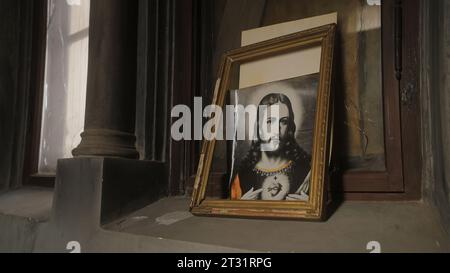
[94, 190]
[107, 143]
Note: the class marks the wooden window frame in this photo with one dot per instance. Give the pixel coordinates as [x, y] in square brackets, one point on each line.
[401, 94]
[31, 176]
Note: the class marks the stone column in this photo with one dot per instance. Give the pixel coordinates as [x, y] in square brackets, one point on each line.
[111, 84]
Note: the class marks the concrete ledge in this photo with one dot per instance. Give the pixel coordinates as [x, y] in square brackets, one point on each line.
[17, 233]
[167, 226]
[21, 212]
[397, 226]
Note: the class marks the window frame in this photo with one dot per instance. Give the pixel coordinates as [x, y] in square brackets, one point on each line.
[31, 176]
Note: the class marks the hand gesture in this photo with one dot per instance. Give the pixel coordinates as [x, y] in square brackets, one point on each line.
[297, 197]
[302, 193]
[252, 194]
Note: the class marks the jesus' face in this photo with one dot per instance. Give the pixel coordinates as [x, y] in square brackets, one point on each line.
[273, 138]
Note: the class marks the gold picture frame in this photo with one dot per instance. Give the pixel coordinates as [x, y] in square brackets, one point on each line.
[314, 208]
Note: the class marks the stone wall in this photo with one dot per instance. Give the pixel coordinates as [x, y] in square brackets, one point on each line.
[436, 105]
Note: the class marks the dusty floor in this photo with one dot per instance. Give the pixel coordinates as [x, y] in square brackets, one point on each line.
[30, 202]
[167, 226]
[398, 227]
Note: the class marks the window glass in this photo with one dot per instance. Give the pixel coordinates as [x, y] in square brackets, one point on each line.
[65, 81]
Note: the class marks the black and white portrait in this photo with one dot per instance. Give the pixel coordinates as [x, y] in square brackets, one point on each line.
[283, 171]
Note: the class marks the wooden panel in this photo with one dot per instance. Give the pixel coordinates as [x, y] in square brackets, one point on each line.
[182, 92]
[410, 101]
[31, 176]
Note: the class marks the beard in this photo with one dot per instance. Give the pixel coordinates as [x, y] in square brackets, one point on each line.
[279, 150]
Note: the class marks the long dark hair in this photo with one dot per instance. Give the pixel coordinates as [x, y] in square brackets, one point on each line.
[290, 150]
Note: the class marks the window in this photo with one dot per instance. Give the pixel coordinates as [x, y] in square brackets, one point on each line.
[65, 81]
